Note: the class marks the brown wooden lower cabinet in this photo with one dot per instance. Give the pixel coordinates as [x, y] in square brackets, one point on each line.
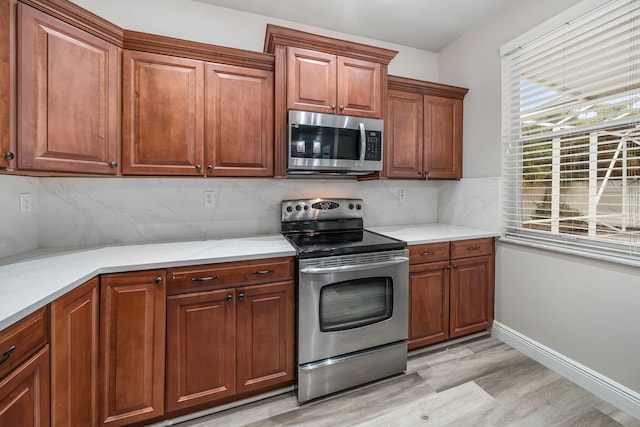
[429, 304]
[451, 291]
[228, 341]
[201, 331]
[132, 346]
[265, 331]
[472, 289]
[74, 356]
[24, 393]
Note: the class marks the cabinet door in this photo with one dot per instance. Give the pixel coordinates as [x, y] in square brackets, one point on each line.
[239, 117]
[24, 394]
[443, 137]
[472, 289]
[163, 115]
[265, 331]
[404, 135]
[359, 88]
[68, 97]
[74, 357]
[132, 334]
[200, 348]
[311, 80]
[7, 81]
[428, 304]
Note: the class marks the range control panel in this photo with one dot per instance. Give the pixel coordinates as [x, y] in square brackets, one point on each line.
[321, 209]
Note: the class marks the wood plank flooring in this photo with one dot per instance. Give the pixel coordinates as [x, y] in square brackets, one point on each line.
[479, 383]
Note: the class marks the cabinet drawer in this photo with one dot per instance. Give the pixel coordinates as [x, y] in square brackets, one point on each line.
[21, 340]
[471, 248]
[430, 252]
[216, 276]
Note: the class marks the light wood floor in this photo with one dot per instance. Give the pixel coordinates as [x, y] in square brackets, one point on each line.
[480, 383]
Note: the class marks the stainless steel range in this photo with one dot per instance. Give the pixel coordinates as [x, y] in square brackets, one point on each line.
[352, 296]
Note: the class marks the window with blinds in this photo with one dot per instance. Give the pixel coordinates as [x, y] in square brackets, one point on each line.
[571, 130]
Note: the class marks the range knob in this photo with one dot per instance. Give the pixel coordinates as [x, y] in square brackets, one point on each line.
[298, 208]
[306, 208]
[350, 205]
[358, 206]
[289, 209]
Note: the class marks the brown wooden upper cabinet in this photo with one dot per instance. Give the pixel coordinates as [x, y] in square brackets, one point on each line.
[68, 97]
[326, 83]
[323, 74]
[423, 130]
[162, 114]
[187, 116]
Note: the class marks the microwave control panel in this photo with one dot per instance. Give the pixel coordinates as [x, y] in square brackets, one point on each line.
[374, 146]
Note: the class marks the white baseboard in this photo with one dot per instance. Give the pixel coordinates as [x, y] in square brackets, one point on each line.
[616, 394]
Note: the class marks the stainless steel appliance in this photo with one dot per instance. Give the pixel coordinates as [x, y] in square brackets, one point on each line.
[333, 144]
[352, 305]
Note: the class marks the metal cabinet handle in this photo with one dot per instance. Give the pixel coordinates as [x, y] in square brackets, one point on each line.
[427, 253]
[204, 279]
[158, 280]
[229, 298]
[9, 155]
[448, 267]
[263, 271]
[113, 164]
[198, 167]
[241, 296]
[473, 248]
[7, 353]
[455, 266]
[342, 108]
[333, 107]
[210, 167]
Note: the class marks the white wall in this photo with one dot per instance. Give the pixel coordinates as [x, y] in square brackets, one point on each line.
[192, 20]
[583, 309]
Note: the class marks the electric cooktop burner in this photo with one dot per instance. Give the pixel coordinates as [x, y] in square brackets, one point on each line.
[323, 227]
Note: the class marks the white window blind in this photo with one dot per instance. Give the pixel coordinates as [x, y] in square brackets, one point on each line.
[571, 131]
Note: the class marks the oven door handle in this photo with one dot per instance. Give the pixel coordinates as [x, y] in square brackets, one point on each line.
[359, 267]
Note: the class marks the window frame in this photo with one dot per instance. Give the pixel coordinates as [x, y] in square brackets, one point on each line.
[512, 175]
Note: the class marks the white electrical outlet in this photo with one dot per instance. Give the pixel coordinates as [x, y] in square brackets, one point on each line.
[25, 202]
[401, 196]
[209, 199]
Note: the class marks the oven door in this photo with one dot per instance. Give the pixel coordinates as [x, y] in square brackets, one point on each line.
[351, 303]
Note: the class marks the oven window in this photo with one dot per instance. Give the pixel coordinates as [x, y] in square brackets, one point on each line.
[355, 303]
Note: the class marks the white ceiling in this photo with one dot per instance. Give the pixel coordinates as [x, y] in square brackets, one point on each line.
[423, 24]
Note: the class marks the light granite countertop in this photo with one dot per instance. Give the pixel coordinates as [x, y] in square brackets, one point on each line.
[416, 234]
[32, 280]
[29, 284]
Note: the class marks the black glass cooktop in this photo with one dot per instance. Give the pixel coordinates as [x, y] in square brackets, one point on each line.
[330, 243]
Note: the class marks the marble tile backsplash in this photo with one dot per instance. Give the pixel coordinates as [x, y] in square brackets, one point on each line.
[473, 202]
[69, 212]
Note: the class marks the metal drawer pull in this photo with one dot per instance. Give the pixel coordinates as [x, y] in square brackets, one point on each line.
[474, 248]
[7, 353]
[427, 253]
[264, 271]
[204, 279]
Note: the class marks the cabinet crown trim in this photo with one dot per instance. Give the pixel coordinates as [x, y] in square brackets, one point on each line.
[81, 18]
[425, 88]
[276, 35]
[153, 43]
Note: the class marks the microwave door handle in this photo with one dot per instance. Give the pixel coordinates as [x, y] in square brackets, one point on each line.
[363, 143]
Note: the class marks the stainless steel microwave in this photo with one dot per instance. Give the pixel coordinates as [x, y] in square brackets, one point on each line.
[333, 144]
